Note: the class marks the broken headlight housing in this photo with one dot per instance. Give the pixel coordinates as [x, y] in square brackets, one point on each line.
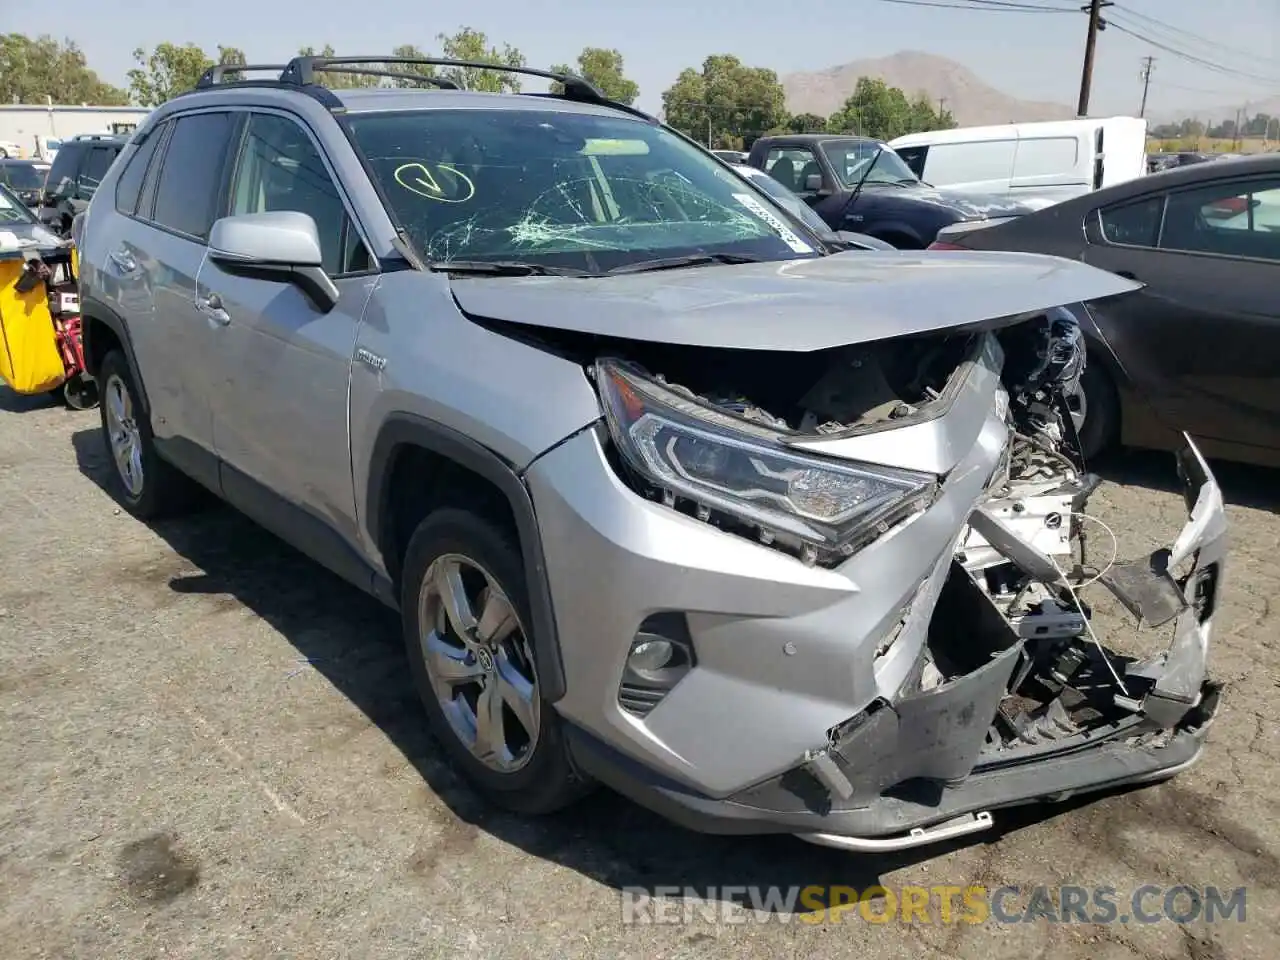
[737, 474]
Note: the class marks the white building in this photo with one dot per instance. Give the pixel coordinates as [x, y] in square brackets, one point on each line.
[35, 128]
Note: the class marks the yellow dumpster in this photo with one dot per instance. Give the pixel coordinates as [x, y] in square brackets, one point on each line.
[29, 357]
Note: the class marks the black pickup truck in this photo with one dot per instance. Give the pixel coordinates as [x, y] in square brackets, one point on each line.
[859, 184]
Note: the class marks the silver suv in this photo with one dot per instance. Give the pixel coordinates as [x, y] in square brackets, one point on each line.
[670, 495]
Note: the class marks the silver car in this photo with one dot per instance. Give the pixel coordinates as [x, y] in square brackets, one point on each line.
[670, 496]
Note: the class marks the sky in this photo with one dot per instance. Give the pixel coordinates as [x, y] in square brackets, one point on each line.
[1029, 55]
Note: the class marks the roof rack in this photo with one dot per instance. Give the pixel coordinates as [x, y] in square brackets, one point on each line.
[302, 70]
[215, 75]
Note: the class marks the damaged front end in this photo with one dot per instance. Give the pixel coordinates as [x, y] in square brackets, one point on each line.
[1010, 694]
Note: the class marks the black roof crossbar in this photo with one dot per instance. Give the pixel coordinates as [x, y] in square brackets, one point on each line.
[215, 75]
[302, 70]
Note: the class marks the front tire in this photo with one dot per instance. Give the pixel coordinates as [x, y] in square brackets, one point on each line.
[146, 485]
[466, 627]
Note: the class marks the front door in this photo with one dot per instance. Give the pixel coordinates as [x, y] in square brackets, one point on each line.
[282, 366]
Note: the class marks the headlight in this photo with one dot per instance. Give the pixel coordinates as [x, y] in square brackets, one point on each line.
[717, 462]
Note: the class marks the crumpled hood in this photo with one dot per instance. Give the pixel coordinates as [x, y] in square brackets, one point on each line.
[16, 235]
[796, 305]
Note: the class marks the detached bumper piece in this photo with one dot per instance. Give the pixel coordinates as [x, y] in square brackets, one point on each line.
[991, 718]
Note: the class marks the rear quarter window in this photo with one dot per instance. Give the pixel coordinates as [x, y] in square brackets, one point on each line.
[1133, 224]
[129, 186]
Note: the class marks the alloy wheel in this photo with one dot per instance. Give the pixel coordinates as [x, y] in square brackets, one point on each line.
[479, 661]
[123, 435]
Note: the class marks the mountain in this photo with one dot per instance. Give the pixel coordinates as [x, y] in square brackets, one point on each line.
[971, 100]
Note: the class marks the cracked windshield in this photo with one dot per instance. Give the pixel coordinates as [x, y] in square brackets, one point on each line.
[563, 190]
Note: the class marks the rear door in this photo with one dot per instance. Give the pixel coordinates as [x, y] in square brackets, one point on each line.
[281, 366]
[158, 259]
[1200, 341]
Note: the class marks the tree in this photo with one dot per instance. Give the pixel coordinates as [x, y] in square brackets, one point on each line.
[806, 123]
[338, 80]
[40, 69]
[604, 69]
[231, 55]
[878, 110]
[726, 103]
[166, 72]
[468, 44]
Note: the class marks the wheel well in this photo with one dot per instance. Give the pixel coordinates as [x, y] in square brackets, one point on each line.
[99, 340]
[422, 481]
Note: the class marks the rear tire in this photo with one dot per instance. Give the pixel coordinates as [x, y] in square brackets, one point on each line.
[461, 569]
[1100, 429]
[147, 485]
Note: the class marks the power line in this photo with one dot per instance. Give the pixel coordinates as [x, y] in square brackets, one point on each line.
[1193, 59]
[1158, 25]
[989, 6]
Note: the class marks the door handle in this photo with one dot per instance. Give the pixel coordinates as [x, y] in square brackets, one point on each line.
[211, 307]
[123, 259]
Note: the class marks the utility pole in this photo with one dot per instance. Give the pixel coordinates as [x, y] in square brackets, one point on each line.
[1096, 23]
[1147, 63]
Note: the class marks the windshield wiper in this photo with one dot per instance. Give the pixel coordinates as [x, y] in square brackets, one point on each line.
[506, 268]
[692, 260]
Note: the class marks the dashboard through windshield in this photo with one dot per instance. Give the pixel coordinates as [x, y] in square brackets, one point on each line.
[566, 189]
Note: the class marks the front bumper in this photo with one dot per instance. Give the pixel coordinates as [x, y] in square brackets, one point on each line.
[792, 676]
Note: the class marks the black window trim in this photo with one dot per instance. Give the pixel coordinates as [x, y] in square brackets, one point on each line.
[343, 195]
[147, 195]
[1220, 181]
[1104, 240]
[162, 130]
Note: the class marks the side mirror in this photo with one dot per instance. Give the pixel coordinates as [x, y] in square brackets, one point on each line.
[283, 245]
[813, 183]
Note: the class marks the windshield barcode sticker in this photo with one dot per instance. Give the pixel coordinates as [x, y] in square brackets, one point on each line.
[785, 232]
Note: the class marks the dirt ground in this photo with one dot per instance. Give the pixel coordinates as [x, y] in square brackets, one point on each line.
[210, 748]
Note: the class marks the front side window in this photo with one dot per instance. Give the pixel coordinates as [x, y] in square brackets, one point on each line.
[1237, 219]
[1133, 224]
[191, 174]
[562, 189]
[852, 159]
[281, 169]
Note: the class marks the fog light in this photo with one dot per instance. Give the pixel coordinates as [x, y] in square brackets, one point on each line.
[650, 655]
[661, 655]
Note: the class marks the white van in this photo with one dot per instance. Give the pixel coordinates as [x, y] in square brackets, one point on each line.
[1053, 160]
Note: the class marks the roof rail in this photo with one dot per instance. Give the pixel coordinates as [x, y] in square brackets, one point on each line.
[215, 75]
[302, 70]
